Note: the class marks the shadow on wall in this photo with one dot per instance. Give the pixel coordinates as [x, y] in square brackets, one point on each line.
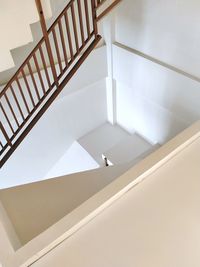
[55, 197]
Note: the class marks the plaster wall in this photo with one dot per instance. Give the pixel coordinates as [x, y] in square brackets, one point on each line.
[166, 30]
[79, 109]
[152, 99]
[66, 121]
[154, 224]
[157, 66]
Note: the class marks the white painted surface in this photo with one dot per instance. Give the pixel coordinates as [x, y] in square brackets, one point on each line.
[85, 76]
[9, 229]
[66, 121]
[50, 200]
[20, 53]
[151, 99]
[70, 224]
[6, 249]
[108, 32]
[154, 224]
[128, 149]
[15, 27]
[93, 69]
[79, 109]
[15, 20]
[166, 30]
[101, 140]
[76, 159]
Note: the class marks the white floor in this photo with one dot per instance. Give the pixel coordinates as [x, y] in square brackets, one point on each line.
[117, 145]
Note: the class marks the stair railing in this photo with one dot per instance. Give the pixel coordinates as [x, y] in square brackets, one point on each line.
[47, 69]
[104, 12]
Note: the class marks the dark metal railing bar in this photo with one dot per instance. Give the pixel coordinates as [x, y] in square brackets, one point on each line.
[107, 10]
[33, 80]
[21, 67]
[1, 145]
[28, 88]
[69, 35]
[94, 16]
[17, 102]
[87, 16]
[46, 39]
[31, 113]
[63, 42]
[57, 49]
[77, 54]
[12, 111]
[5, 134]
[45, 65]
[39, 73]
[22, 94]
[74, 27]
[7, 119]
[80, 20]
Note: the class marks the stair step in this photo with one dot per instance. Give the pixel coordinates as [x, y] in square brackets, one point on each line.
[15, 20]
[127, 149]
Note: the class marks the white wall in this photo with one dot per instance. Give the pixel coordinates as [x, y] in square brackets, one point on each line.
[15, 20]
[155, 101]
[154, 224]
[80, 108]
[86, 75]
[66, 120]
[177, 160]
[76, 159]
[166, 30]
[8, 227]
[92, 70]
[152, 98]
[15, 27]
[114, 143]
[52, 10]
[101, 140]
[6, 249]
[49, 201]
[129, 149]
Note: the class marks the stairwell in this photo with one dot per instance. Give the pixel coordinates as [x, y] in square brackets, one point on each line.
[121, 119]
[23, 100]
[15, 20]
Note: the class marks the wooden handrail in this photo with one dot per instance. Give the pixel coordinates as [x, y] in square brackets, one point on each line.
[38, 81]
[46, 38]
[106, 10]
